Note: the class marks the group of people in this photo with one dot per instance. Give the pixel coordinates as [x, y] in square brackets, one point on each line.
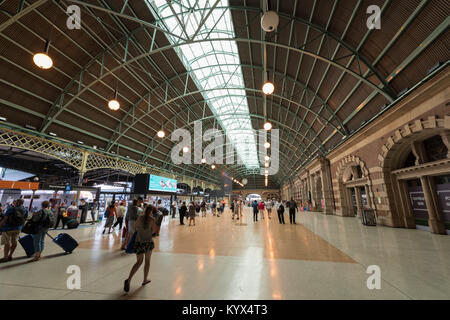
[259, 207]
[13, 219]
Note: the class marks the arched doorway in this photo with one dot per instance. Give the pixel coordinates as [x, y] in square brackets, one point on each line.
[355, 187]
[417, 172]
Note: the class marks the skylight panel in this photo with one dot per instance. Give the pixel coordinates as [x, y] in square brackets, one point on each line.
[215, 66]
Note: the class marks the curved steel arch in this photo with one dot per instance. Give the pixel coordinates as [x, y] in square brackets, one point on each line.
[231, 114]
[161, 49]
[200, 91]
[389, 93]
[182, 77]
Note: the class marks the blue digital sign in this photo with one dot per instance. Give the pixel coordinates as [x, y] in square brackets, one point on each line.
[158, 183]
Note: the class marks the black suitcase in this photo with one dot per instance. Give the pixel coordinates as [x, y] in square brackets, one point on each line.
[65, 241]
[27, 244]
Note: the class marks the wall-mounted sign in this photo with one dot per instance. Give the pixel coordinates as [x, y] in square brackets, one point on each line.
[157, 183]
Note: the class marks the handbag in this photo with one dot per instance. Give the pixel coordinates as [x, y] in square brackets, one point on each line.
[29, 227]
[130, 246]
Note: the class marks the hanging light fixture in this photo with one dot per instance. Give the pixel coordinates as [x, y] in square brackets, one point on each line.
[161, 134]
[185, 149]
[213, 166]
[42, 59]
[267, 145]
[267, 158]
[114, 104]
[268, 88]
[267, 126]
[203, 160]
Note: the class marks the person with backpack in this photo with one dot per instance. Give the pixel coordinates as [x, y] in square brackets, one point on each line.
[43, 220]
[292, 210]
[10, 226]
[110, 213]
[255, 211]
[280, 212]
[233, 209]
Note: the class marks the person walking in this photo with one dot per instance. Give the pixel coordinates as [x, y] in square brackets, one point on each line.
[60, 215]
[203, 208]
[269, 205]
[120, 214]
[94, 210]
[255, 211]
[43, 219]
[213, 208]
[130, 220]
[84, 209]
[143, 245]
[191, 213]
[110, 213]
[280, 211]
[292, 210]
[183, 211]
[10, 227]
[233, 209]
[261, 208]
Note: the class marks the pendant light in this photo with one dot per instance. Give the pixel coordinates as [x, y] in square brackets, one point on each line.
[42, 59]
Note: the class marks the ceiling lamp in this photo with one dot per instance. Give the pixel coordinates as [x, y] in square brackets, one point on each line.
[203, 160]
[268, 88]
[267, 145]
[114, 104]
[266, 165]
[161, 133]
[267, 126]
[267, 158]
[42, 59]
[213, 166]
[185, 149]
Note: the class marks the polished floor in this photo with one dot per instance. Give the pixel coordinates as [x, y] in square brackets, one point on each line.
[321, 257]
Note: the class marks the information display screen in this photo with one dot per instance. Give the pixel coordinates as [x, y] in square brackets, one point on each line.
[157, 183]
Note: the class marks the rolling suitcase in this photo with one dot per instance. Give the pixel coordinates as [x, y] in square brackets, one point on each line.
[65, 241]
[27, 244]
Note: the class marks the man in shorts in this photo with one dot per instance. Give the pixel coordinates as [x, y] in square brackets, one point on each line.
[10, 229]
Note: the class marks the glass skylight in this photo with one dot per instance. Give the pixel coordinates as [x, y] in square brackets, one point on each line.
[215, 65]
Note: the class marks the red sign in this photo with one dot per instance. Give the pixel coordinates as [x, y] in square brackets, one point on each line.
[22, 185]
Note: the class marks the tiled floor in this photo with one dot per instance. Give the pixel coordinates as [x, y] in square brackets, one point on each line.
[322, 257]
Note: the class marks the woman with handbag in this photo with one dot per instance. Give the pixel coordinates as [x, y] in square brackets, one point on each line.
[143, 245]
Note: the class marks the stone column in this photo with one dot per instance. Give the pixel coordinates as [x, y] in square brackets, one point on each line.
[327, 186]
[435, 220]
[434, 215]
[408, 216]
[368, 197]
[358, 201]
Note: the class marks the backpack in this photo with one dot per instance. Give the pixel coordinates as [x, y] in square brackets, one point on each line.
[17, 218]
[49, 219]
[107, 213]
